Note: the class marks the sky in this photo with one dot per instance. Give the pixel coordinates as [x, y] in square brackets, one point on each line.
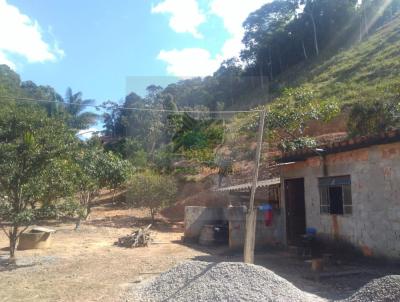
[107, 49]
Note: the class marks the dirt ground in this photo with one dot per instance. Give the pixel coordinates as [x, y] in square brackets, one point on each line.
[84, 265]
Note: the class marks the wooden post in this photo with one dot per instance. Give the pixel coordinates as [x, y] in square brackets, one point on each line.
[251, 215]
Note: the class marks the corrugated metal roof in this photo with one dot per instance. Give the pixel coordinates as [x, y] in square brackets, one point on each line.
[260, 184]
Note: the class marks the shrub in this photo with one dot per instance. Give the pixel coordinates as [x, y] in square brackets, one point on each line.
[296, 144]
[151, 190]
[373, 117]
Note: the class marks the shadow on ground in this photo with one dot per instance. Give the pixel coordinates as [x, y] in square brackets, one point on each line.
[6, 265]
[121, 219]
[128, 221]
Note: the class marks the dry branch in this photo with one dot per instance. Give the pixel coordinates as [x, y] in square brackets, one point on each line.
[139, 238]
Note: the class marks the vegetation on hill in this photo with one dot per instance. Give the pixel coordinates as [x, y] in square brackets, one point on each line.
[344, 52]
[293, 42]
[367, 71]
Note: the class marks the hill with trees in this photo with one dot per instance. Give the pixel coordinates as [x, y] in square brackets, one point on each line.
[345, 52]
[292, 42]
[357, 74]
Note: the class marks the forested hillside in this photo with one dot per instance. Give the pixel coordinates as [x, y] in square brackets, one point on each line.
[306, 58]
[334, 45]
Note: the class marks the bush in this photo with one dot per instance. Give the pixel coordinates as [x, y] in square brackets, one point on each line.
[164, 158]
[373, 117]
[151, 190]
[204, 156]
[296, 144]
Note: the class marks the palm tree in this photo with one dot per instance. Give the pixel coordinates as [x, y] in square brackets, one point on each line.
[79, 118]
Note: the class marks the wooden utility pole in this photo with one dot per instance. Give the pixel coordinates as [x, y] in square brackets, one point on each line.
[251, 215]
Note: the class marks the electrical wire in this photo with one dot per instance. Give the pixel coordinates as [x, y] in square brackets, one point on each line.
[130, 108]
[319, 153]
[145, 109]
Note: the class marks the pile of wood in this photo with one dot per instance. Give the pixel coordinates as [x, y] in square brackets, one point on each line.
[139, 238]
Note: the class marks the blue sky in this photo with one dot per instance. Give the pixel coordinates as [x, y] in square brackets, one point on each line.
[98, 46]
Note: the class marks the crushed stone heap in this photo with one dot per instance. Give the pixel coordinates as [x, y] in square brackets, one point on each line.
[385, 289]
[226, 281]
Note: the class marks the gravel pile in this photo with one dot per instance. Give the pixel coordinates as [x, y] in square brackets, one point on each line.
[386, 289]
[226, 281]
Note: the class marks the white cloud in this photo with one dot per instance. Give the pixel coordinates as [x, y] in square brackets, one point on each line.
[22, 36]
[4, 60]
[185, 15]
[190, 62]
[233, 19]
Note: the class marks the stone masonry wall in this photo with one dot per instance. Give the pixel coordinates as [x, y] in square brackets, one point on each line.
[265, 235]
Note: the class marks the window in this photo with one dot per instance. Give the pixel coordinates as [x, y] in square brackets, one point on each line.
[335, 195]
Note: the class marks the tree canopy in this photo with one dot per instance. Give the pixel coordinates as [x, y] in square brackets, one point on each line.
[31, 145]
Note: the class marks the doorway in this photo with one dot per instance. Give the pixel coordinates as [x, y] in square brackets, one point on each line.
[295, 210]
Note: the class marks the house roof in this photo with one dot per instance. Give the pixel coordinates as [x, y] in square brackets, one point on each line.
[342, 146]
[247, 186]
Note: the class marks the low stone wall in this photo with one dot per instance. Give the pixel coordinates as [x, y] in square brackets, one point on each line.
[197, 217]
[237, 226]
[265, 235]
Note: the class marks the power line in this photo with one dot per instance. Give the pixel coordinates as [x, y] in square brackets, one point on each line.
[151, 110]
[130, 108]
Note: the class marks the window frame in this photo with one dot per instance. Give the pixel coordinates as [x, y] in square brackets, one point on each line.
[342, 181]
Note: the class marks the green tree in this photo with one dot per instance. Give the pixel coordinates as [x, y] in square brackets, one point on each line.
[96, 169]
[56, 181]
[29, 143]
[296, 107]
[152, 190]
[263, 31]
[111, 119]
[10, 82]
[197, 133]
[88, 177]
[54, 106]
[164, 158]
[141, 125]
[229, 81]
[114, 171]
[130, 149]
[196, 139]
[76, 106]
[288, 117]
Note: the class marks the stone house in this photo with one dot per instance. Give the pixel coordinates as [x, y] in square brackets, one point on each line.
[348, 191]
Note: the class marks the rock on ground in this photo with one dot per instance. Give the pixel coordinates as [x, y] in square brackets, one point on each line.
[386, 289]
[226, 281]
